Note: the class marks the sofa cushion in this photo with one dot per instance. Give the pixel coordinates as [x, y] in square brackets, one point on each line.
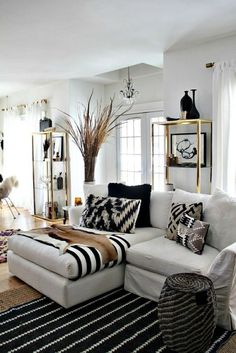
[44, 256]
[165, 257]
[181, 196]
[137, 192]
[220, 213]
[192, 233]
[176, 212]
[160, 205]
[110, 213]
[65, 265]
[144, 234]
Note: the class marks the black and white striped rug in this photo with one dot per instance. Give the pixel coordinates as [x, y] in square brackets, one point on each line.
[117, 321]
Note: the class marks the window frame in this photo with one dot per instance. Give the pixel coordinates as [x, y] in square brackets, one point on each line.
[146, 144]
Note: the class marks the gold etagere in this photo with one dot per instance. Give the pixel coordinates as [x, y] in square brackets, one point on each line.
[50, 173]
[197, 123]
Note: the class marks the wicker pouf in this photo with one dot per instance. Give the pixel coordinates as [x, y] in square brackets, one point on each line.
[186, 312]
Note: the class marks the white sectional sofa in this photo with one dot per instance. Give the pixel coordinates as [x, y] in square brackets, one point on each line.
[150, 259]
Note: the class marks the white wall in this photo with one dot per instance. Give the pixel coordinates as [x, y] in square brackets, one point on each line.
[185, 69]
[150, 90]
[57, 94]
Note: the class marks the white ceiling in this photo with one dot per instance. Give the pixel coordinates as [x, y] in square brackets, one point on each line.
[46, 40]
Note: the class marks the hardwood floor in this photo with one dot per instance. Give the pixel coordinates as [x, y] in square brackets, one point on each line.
[23, 221]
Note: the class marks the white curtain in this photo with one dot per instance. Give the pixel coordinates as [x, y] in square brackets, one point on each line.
[18, 129]
[224, 126]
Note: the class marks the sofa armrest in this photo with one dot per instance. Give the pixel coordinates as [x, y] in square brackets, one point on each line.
[222, 272]
[75, 214]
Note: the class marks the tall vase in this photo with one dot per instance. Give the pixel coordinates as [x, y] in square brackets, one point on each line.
[89, 168]
[185, 105]
[194, 113]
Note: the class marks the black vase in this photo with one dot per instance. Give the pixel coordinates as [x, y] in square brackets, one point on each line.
[60, 182]
[186, 104]
[194, 113]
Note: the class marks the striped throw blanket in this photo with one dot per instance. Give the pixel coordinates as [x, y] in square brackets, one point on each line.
[92, 252]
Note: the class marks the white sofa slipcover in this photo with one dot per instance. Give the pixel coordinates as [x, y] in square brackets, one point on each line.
[151, 259]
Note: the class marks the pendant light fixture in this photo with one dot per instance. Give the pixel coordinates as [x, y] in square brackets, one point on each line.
[129, 93]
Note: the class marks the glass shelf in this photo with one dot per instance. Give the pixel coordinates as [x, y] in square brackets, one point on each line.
[48, 199]
[186, 166]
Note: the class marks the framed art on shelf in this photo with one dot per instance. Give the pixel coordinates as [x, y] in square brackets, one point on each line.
[57, 142]
[184, 147]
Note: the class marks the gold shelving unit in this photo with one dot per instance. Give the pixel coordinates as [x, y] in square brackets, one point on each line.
[197, 123]
[50, 161]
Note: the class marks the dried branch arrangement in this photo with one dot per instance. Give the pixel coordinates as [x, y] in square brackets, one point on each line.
[91, 129]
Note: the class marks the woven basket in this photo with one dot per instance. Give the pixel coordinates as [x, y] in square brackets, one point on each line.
[186, 312]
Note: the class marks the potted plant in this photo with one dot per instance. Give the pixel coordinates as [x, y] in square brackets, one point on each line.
[90, 130]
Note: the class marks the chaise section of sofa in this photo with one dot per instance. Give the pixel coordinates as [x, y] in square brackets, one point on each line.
[149, 261]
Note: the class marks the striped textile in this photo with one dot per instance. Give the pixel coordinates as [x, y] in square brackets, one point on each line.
[89, 259]
[117, 321]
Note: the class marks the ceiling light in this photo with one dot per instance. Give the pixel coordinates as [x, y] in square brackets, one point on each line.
[129, 93]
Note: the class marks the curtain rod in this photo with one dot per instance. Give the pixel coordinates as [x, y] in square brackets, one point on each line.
[25, 105]
[210, 65]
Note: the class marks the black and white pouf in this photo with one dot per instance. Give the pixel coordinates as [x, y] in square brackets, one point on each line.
[186, 312]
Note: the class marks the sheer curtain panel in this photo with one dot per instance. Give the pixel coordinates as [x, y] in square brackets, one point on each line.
[224, 126]
[18, 129]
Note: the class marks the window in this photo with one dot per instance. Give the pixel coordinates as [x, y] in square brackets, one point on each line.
[135, 150]
[158, 156]
[130, 151]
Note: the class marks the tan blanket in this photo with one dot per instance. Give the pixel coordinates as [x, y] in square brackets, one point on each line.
[72, 236]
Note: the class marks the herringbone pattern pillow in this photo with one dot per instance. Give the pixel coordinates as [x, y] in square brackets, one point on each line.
[192, 233]
[177, 209]
[110, 214]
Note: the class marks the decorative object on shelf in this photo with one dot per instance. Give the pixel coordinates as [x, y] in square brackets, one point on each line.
[2, 140]
[91, 129]
[60, 182]
[78, 201]
[57, 145]
[168, 118]
[55, 182]
[129, 93]
[172, 160]
[169, 187]
[45, 123]
[194, 113]
[46, 181]
[185, 105]
[46, 145]
[184, 147]
[51, 210]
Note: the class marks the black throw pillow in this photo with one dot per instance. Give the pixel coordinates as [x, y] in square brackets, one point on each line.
[139, 192]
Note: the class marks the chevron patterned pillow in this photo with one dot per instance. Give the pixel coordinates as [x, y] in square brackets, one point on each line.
[110, 214]
[192, 233]
[176, 212]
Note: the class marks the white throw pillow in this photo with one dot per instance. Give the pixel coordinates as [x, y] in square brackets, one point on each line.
[220, 213]
[160, 204]
[95, 189]
[181, 196]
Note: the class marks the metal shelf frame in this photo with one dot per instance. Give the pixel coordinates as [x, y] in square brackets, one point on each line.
[197, 123]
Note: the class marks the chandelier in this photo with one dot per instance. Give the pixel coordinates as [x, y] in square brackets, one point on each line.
[129, 93]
